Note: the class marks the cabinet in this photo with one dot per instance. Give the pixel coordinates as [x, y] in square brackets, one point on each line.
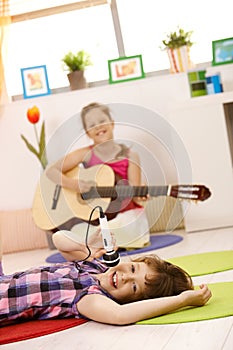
[206, 130]
[228, 110]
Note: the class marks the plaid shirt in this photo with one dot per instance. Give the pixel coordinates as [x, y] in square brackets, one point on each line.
[48, 291]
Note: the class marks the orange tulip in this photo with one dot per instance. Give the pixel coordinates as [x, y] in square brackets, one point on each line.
[33, 114]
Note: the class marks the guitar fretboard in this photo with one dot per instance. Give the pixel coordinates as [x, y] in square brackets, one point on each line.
[125, 191]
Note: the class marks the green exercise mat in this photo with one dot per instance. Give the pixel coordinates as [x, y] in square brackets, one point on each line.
[220, 305]
[205, 263]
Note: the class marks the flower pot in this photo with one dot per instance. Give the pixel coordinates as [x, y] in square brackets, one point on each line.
[180, 59]
[77, 80]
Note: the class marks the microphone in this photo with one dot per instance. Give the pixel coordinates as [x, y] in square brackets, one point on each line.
[111, 257]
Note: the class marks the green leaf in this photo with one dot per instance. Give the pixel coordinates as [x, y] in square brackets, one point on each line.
[42, 147]
[30, 147]
[78, 61]
[177, 39]
[42, 139]
[42, 159]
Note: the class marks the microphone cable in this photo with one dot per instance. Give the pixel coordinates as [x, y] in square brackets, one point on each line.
[111, 257]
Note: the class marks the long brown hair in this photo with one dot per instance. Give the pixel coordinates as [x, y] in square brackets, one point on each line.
[167, 279]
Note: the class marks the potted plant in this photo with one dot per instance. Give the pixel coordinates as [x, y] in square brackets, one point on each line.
[178, 45]
[76, 64]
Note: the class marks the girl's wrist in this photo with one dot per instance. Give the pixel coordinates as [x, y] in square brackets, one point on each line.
[183, 300]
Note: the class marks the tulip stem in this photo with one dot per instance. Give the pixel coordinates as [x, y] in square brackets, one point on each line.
[36, 133]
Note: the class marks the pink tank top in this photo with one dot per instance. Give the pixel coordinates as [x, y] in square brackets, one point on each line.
[119, 167]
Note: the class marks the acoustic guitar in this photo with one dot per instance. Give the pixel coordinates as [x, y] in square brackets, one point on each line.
[54, 205]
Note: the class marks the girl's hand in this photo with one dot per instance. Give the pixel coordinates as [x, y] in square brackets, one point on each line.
[84, 186]
[197, 297]
[142, 199]
[96, 244]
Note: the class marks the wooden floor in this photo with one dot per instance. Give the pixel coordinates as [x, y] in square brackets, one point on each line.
[215, 334]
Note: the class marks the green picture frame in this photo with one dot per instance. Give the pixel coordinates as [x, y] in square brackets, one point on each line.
[125, 69]
[222, 51]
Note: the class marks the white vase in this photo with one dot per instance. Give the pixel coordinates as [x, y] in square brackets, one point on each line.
[180, 59]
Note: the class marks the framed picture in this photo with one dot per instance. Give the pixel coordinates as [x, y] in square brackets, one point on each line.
[35, 81]
[125, 69]
[222, 51]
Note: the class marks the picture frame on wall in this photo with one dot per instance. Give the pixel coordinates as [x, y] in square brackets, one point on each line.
[222, 51]
[125, 69]
[35, 81]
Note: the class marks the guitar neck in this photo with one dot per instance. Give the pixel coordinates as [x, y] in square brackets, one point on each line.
[125, 191]
[54, 205]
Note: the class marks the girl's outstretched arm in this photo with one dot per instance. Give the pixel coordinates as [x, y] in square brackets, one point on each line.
[102, 309]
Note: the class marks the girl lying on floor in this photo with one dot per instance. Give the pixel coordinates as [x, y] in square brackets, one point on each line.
[143, 288]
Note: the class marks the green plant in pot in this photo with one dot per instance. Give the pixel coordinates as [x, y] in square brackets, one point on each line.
[178, 44]
[177, 39]
[76, 64]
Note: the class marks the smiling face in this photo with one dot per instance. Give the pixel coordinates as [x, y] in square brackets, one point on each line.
[126, 281]
[98, 126]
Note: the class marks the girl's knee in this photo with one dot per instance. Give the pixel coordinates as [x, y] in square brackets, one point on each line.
[58, 239]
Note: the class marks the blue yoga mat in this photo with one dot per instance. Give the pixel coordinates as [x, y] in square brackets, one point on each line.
[156, 242]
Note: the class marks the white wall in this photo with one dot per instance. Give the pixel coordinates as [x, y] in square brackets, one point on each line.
[157, 98]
